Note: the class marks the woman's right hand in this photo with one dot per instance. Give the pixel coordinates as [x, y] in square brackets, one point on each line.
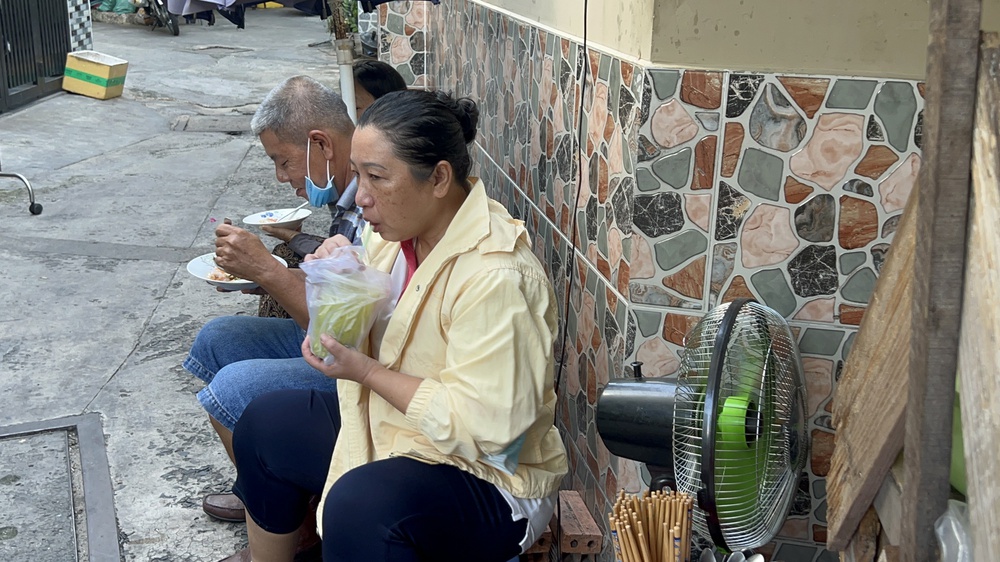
[350, 364]
[328, 246]
[341, 363]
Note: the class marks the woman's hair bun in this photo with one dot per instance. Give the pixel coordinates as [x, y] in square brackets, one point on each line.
[465, 110]
[426, 128]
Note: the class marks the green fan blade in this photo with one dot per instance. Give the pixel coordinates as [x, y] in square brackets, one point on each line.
[736, 460]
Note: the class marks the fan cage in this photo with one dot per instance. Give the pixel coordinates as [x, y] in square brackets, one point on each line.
[756, 470]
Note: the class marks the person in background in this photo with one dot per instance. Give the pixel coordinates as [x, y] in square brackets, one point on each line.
[372, 80]
[305, 129]
[206, 15]
[439, 444]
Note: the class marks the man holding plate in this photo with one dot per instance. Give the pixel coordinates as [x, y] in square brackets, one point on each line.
[306, 131]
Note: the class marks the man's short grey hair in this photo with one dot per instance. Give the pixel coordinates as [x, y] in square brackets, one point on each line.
[298, 105]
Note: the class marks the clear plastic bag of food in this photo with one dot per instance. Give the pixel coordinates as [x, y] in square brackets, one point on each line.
[344, 297]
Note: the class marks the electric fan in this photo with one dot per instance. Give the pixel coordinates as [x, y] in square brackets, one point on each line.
[732, 420]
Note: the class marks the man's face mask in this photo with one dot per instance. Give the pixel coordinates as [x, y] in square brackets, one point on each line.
[318, 196]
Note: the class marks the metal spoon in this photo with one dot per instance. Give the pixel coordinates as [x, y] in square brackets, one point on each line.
[756, 558]
[736, 557]
[706, 556]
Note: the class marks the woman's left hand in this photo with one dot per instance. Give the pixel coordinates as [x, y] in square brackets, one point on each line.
[283, 234]
[328, 247]
[348, 364]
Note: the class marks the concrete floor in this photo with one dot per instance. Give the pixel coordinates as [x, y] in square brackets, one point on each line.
[96, 308]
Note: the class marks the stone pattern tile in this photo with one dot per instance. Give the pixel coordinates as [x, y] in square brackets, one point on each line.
[81, 35]
[677, 151]
[822, 194]
[598, 332]
[697, 187]
[528, 84]
[807, 191]
[790, 187]
[367, 21]
[402, 38]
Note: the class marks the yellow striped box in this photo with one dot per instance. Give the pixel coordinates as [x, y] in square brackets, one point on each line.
[94, 74]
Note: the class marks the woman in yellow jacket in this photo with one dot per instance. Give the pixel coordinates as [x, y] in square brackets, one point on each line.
[439, 444]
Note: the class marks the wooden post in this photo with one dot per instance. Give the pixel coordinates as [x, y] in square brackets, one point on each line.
[939, 266]
[979, 353]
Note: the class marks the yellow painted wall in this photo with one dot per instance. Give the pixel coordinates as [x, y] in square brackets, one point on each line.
[623, 26]
[991, 15]
[884, 38]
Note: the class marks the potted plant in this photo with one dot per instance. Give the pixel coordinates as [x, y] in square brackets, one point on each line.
[343, 22]
[350, 10]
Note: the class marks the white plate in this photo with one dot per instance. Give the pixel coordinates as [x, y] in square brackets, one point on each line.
[201, 266]
[268, 218]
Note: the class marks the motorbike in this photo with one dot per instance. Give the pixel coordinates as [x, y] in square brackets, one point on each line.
[161, 16]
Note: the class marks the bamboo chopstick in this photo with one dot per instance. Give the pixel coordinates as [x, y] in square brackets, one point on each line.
[651, 527]
[685, 523]
[615, 544]
[677, 544]
[686, 540]
[644, 547]
[632, 548]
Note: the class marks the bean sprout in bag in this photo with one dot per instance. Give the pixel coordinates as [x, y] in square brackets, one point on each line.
[344, 297]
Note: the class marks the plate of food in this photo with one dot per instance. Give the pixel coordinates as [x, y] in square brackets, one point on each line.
[204, 267]
[284, 218]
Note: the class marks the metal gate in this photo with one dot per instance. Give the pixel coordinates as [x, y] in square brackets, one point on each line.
[34, 41]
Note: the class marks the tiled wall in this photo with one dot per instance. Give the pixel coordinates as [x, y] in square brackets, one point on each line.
[81, 35]
[696, 188]
[783, 188]
[367, 21]
[402, 39]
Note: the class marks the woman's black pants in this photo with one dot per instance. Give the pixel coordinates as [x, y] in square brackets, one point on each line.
[397, 509]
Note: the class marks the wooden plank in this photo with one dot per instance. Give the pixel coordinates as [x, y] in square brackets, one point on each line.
[888, 554]
[979, 353]
[938, 272]
[580, 533]
[864, 545]
[889, 503]
[886, 551]
[870, 399]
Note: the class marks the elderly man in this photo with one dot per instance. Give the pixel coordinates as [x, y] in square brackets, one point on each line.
[306, 131]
